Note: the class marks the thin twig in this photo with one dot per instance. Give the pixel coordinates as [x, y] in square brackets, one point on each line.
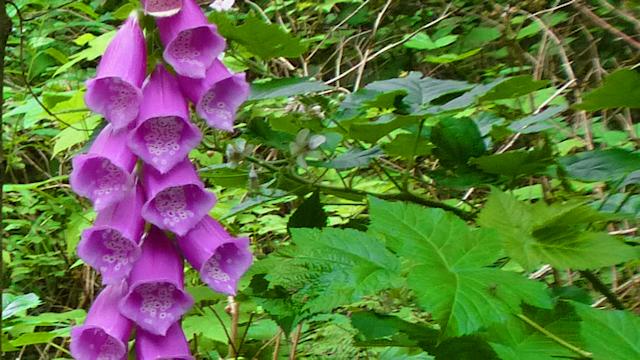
[295, 338]
[393, 45]
[605, 25]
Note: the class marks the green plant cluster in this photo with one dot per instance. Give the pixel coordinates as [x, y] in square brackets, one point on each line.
[420, 179]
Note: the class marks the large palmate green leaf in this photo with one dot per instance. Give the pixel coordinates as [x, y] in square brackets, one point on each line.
[620, 89]
[449, 267]
[517, 340]
[601, 165]
[610, 334]
[556, 234]
[331, 267]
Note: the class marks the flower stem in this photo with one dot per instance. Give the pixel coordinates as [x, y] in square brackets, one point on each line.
[547, 333]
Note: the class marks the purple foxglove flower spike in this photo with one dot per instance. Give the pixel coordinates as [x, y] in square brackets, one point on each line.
[218, 96]
[105, 333]
[220, 258]
[191, 43]
[177, 200]
[156, 297]
[162, 8]
[111, 245]
[115, 91]
[104, 173]
[164, 135]
[173, 346]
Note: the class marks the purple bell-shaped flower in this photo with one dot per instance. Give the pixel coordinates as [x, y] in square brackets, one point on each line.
[177, 200]
[218, 96]
[162, 8]
[115, 91]
[105, 332]
[104, 173]
[173, 346]
[191, 43]
[111, 245]
[156, 297]
[220, 258]
[164, 135]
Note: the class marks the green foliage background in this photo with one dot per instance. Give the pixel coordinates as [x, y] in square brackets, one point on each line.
[420, 179]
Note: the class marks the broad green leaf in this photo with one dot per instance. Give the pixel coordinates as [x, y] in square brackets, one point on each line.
[205, 326]
[331, 267]
[537, 122]
[610, 334]
[514, 87]
[14, 304]
[353, 158]
[34, 338]
[265, 40]
[76, 224]
[517, 340]
[457, 140]
[449, 267]
[97, 46]
[450, 57]
[601, 165]
[620, 89]
[420, 90]
[408, 145]
[226, 176]
[399, 353]
[542, 234]
[75, 135]
[514, 163]
[478, 37]
[285, 87]
[385, 330]
[422, 41]
[309, 214]
[372, 131]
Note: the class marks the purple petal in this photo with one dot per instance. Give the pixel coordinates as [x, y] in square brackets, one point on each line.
[164, 136]
[105, 333]
[154, 347]
[191, 43]
[177, 200]
[115, 91]
[156, 297]
[218, 96]
[104, 174]
[111, 245]
[220, 258]
[162, 8]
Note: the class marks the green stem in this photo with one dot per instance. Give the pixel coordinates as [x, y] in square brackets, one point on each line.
[32, 186]
[550, 335]
[348, 193]
[602, 288]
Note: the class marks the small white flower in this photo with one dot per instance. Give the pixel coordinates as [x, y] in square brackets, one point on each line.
[305, 145]
[222, 5]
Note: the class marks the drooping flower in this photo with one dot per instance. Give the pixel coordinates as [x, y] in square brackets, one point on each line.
[103, 174]
[111, 245]
[164, 135]
[115, 91]
[191, 43]
[162, 8]
[220, 258]
[105, 332]
[173, 346]
[304, 145]
[156, 297]
[177, 200]
[218, 96]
